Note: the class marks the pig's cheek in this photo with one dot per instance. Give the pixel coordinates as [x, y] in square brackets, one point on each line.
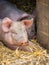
[8, 38]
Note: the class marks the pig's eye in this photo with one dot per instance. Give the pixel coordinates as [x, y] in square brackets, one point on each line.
[13, 31]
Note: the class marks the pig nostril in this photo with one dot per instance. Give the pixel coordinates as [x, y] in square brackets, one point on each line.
[24, 43]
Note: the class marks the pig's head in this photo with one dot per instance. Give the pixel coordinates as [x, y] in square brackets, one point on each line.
[14, 33]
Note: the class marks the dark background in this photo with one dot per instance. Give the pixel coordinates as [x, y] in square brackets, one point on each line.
[26, 5]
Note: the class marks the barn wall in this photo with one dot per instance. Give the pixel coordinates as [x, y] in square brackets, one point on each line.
[43, 22]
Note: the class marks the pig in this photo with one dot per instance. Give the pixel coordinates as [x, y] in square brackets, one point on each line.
[11, 11]
[14, 34]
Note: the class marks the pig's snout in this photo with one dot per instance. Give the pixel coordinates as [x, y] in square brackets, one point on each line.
[24, 43]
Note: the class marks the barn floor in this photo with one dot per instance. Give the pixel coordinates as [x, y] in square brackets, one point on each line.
[38, 56]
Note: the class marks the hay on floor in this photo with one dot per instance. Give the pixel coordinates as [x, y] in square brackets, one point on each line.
[39, 56]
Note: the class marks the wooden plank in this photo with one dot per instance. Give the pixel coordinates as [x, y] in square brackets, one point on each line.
[43, 22]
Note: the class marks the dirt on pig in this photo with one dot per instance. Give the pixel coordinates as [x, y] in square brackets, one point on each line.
[38, 56]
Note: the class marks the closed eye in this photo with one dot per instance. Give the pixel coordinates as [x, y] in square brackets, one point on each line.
[12, 31]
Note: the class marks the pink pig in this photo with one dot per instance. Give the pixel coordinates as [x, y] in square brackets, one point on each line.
[14, 34]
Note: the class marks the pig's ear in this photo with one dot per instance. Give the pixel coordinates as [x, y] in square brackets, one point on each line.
[28, 23]
[6, 24]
